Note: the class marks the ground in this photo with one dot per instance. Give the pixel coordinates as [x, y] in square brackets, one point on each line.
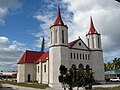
[14, 87]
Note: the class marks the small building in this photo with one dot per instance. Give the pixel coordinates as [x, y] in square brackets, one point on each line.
[112, 74]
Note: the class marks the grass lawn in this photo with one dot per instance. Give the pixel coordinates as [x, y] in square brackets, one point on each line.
[0, 85]
[110, 88]
[33, 85]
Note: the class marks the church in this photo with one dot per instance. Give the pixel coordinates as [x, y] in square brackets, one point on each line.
[44, 66]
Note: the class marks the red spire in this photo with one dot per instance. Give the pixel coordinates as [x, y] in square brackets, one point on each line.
[92, 29]
[58, 20]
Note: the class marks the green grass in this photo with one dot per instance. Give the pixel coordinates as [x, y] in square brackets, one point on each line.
[0, 85]
[33, 85]
[110, 88]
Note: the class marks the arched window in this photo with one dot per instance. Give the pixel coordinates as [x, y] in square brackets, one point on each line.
[93, 41]
[38, 69]
[56, 36]
[81, 68]
[80, 55]
[74, 56]
[77, 55]
[83, 56]
[62, 36]
[98, 42]
[45, 68]
[51, 37]
[88, 42]
[71, 55]
[86, 56]
[87, 69]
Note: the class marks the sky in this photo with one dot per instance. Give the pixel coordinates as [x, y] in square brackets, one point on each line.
[23, 24]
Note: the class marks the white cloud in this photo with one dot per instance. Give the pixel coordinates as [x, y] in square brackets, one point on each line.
[76, 14]
[10, 52]
[106, 18]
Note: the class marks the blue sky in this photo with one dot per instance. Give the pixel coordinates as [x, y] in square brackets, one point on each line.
[23, 23]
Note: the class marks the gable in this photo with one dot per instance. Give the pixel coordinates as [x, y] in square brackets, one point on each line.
[78, 44]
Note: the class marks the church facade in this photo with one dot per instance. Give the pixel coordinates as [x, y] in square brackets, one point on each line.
[44, 66]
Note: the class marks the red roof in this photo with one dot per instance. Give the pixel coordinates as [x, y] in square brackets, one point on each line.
[44, 57]
[92, 29]
[73, 42]
[58, 20]
[30, 57]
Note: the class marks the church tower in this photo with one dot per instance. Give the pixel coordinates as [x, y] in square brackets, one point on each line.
[93, 37]
[96, 56]
[59, 31]
[58, 51]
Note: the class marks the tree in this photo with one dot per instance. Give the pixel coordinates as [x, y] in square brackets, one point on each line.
[62, 76]
[43, 45]
[114, 65]
[74, 77]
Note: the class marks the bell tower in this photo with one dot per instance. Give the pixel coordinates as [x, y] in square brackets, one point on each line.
[58, 51]
[59, 31]
[93, 37]
[96, 55]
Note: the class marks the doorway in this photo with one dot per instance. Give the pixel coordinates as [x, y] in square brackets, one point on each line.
[28, 78]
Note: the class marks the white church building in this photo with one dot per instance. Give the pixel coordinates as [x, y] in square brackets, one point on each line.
[44, 66]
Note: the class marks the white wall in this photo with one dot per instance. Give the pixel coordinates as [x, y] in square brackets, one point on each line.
[98, 65]
[54, 64]
[45, 74]
[21, 73]
[59, 35]
[30, 69]
[79, 60]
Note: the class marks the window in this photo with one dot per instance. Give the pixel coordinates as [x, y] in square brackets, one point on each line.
[51, 37]
[38, 69]
[98, 42]
[86, 56]
[77, 55]
[87, 69]
[88, 42]
[45, 68]
[93, 41]
[80, 56]
[83, 56]
[81, 68]
[71, 55]
[74, 55]
[56, 36]
[62, 36]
